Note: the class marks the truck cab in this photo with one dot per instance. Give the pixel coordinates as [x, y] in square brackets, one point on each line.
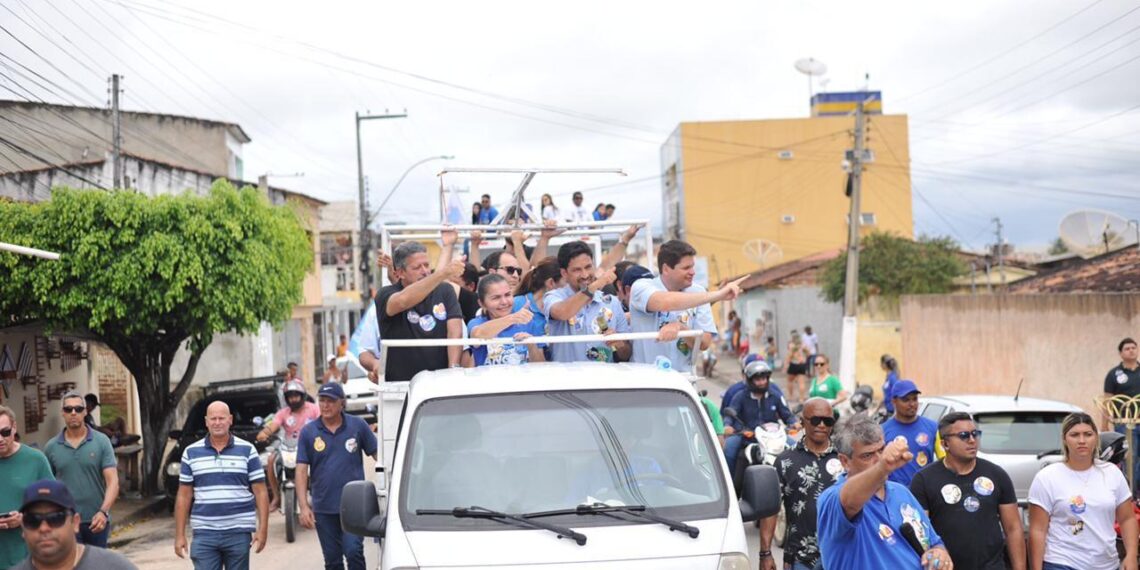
[579, 465]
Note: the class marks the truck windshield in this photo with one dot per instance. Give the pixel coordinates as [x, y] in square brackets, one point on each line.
[544, 451]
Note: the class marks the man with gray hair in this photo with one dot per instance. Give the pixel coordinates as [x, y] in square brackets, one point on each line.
[866, 521]
[83, 459]
[421, 305]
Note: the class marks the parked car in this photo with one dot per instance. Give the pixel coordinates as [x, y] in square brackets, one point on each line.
[251, 401]
[1022, 435]
[360, 393]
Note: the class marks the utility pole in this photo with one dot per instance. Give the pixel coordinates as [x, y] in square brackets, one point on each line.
[116, 135]
[1000, 252]
[851, 286]
[365, 234]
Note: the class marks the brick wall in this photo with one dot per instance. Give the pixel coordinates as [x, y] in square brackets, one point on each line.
[114, 381]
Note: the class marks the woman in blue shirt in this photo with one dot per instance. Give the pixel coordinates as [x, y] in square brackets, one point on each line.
[891, 367]
[499, 321]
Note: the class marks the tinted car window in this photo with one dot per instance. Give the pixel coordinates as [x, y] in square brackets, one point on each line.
[1020, 432]
[244, 409]
[934, 411]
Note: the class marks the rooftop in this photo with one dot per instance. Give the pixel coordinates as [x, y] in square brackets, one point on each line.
[234, 128]
[804, 268]
[1114, 272]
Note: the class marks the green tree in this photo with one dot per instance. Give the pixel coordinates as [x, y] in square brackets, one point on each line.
[1058, 247]
[890, 265]
[147, 276]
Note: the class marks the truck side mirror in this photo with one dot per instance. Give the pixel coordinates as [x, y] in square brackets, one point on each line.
[360, 512]
[760, 496]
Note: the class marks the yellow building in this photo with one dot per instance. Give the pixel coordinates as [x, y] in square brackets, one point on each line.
[726, 183]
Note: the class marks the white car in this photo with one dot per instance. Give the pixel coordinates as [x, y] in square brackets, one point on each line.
[554, 465]
[360, 393]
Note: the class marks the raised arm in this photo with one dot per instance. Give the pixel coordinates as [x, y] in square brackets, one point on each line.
[859, 488]
[664, 301]
[518, 247]
[617, 253]
[548, 232]
[473, 254]
[492, 328]
[565, 310]
[415, 293]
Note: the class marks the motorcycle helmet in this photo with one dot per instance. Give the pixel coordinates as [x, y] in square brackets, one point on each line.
[1113, 447]
[749, 359]
[861, 399]
[295, 387]
[754, 369]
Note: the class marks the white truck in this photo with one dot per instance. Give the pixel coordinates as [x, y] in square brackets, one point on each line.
[553, 465]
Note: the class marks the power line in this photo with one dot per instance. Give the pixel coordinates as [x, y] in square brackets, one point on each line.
[64, 168]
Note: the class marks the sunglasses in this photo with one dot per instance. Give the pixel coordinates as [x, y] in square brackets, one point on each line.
[5, 432]
[73, 409]
[825, 420]
[55, 519]
[512, 270]
[966, 435]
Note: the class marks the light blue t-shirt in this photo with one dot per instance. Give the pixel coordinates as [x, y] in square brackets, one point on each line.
[496, 354]
[367, 334]
[872, 539]
[601, 311]
[919, 436]
[642, 320]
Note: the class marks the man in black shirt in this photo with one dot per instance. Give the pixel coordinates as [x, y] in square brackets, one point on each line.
[971, 501]
[804, 471]
[1124, 379]
[420, 305]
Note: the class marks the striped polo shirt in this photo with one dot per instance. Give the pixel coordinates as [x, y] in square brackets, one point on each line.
[221, 481]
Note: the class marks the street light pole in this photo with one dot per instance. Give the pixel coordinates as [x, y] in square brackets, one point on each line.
[401, 180]
[365, 238]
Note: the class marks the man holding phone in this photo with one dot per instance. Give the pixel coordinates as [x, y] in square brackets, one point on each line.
[20, 466]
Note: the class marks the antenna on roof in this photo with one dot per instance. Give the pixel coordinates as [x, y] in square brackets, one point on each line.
[1018, 394]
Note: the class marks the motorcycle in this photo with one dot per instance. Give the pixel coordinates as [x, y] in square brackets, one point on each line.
[766, 442]
[286, 472]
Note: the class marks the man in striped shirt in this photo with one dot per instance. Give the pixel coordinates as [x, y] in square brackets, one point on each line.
[222, 477]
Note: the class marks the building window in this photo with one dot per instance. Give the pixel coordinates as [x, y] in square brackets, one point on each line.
[867, 218]
[336, 251]
[345, 279]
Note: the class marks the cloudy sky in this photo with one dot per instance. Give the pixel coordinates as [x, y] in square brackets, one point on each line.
[1020, 109]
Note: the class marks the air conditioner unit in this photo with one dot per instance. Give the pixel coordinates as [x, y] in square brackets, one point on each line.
[867, 219]
[785, 155]
[788, 219]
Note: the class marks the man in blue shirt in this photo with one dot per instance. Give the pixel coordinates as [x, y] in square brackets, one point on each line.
[582, 308]
[859, 517]
[920, 433]
[487, 212]
[761, 403]
[735, 389]
[330, 453]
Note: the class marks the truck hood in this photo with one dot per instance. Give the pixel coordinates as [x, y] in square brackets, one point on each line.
[648, 546]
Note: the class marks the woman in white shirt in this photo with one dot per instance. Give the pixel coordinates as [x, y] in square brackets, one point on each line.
[1074, 503]
[549, 210]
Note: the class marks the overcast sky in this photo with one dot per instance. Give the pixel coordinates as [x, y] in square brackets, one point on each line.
[1019, 109]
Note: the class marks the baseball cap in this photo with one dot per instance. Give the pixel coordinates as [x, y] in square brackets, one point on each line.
[48, 491]
[331, 390]
[633, 273]
[903, 388]
[330, 357]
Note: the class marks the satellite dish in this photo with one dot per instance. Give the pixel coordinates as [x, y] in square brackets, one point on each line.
[811, 67]
[763, 252]
[1094, 232]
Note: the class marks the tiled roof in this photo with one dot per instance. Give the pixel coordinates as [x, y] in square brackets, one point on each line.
[1114, 272]
[800, 270]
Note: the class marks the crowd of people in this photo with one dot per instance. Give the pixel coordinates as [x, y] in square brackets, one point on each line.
[484, 212]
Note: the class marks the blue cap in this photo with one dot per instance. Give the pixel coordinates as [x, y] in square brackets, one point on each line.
[633, 273]
[48, 491]
[331, 390]
[904, 388]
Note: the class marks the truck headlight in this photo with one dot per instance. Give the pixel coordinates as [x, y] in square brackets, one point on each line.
[734, 561]
[173, 469]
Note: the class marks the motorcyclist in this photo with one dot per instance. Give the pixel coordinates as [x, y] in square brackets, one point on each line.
[760, 403]
[297, 412]
[740, 386]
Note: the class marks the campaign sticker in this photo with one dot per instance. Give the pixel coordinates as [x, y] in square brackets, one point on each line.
[908, 513]
[834, 467]
[319, 444]
[663, 363]
[886, 534]
[972, 504]
[413, 317]
[427, 322]
[350, 445]
[1121, 377]
[607, 299]
[984, 486]
[290, 421]
[921, 459]
[951, 494]
[1077, 505]
[922, 439]
[439, 311]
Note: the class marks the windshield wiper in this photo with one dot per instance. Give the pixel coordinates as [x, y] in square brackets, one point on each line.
[637, 511]
[474, 512]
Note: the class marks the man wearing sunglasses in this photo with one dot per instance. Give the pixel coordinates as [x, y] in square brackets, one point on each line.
[82, 458]
[971, 501]
[20, 466]
[921, 433]
[51, 524]
[804, 472]
[506, 264]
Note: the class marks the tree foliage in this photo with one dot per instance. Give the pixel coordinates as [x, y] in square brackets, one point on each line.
[148, 276]
[890, 266]
[1058, 247]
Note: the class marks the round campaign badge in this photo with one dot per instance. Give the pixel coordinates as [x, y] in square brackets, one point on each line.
[427, 322]
[663, 363]
[350, 445]
[413, 317]
[886, 534]
[972, 504]
[290, 421]
[1121, 377]
[834, 467]
[439, 311]
[921, 459]
[319, 444]
[922, 439]
[984, 486]
[951, 494]
[1077, 505]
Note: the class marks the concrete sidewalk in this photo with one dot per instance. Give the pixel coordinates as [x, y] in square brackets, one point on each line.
[128, 511]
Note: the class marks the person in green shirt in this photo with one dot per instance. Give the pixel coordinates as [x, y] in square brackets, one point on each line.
[20, 466]
[83, 459]
[714, 416]
[824, 384]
